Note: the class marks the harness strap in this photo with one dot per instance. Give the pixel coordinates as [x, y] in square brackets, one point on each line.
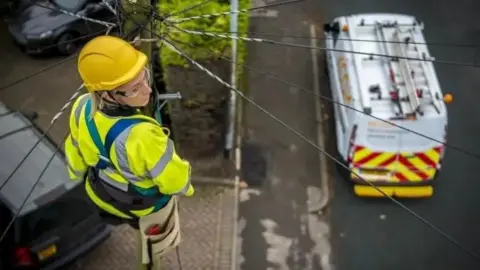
[135, 198]
[123, 201]
[104, 160]
[111, 136]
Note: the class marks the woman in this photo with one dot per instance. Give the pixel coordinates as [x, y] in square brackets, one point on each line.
[130, 165]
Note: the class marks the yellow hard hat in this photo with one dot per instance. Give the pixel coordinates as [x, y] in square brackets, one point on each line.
[107, 62]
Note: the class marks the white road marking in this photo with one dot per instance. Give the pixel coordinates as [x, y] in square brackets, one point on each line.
[319, 232]
[245, 194]
[239, 257]
[279, 246]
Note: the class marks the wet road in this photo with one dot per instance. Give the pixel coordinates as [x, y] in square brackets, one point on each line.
[282, 170]
[43, 93]
[371, 234]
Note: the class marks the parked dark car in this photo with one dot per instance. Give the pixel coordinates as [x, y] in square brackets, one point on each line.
[58, 223]
[37, 29]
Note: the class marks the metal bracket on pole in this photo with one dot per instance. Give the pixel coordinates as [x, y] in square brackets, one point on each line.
[168, 96]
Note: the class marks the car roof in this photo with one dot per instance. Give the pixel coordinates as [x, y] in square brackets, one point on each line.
[17, 136]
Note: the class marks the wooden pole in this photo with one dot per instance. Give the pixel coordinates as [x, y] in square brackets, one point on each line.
[139, 13]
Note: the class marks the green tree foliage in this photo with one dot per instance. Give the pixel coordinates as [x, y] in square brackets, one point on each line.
[217, 24]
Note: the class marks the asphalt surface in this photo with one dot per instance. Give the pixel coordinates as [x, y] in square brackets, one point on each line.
[282, 170]
[276, 230]
[377, 234]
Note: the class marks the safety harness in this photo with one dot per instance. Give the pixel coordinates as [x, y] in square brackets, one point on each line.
[135, 198]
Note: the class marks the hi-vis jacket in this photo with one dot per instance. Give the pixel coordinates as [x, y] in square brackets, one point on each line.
[143, 161]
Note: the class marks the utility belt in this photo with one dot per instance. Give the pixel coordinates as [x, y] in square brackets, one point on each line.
[121, 200]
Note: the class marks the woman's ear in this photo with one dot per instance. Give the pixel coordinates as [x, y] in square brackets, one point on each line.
[102, 94]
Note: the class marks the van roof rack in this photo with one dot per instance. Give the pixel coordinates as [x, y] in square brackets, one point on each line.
[402, 86]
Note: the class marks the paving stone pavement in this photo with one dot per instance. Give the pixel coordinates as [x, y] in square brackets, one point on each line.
[207, 233]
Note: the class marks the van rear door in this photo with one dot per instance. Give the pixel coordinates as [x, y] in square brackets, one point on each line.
[388, 153]
[419, 157]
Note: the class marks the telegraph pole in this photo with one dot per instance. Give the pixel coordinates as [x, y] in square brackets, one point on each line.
[138, 13]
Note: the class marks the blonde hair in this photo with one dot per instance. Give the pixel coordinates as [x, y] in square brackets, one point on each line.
[96, 103]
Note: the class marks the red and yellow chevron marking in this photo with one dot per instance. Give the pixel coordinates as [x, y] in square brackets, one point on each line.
[403, 166]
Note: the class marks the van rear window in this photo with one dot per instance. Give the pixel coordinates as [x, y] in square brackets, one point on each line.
[389, 137]
[383, 137]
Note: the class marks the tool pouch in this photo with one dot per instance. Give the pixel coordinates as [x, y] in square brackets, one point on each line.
[155, 246]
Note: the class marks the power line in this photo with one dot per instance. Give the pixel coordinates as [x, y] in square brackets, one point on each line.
[47, 165]
[56, 63]
[439, 44]
[240, 93]
[104, 23]
[446, 236]
[461, 150]
[43, 135]
[38, 72]
[189, 8]
[225, 13]
[295, 132]
[269, 41]
[34, 185]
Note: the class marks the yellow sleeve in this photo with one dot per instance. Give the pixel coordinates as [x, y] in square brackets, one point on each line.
[153, 154]
[77, 167]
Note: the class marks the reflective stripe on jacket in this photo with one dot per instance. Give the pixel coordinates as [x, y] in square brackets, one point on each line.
[142, 155]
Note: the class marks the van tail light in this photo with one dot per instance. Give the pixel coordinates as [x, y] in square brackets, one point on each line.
[351, 143]
[23, 257]
[442, 148]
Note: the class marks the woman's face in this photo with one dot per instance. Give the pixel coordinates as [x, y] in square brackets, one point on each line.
[135, 93]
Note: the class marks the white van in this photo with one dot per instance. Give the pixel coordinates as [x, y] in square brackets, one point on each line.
[400, 90]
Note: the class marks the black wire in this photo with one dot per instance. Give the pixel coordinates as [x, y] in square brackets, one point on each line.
[269, 41]
[45, 168]
[38, 72]
[253, 8]
[54, 64]
[426, 222]
[65, 11]
[118, 16]
[439, 44]
[34, 185]
[179, 262]
[65, 59]
[31, 150]
[188, 8]
[461, 150]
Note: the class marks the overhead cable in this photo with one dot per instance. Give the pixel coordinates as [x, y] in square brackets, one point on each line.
[240, 93]
[269, 41]
[203, 3]
[230, 12]
[62, 110]
[33, 187]
[104, 23]
[40, 71]
[433, 43]
[459, 149]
